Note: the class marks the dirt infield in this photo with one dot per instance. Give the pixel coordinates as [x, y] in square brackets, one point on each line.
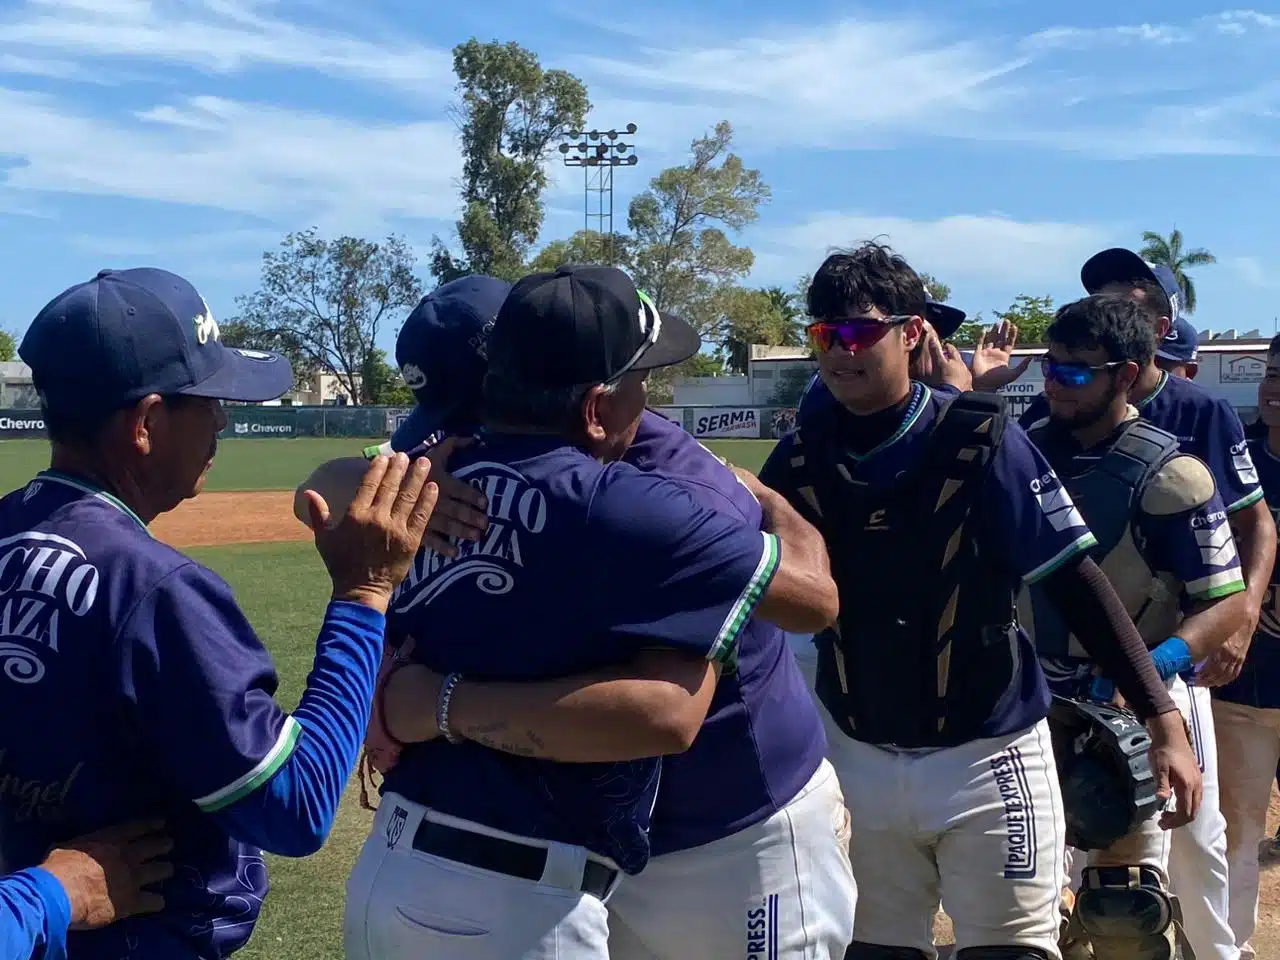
[218, 519]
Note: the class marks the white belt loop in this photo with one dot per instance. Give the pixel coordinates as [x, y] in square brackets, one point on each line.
[565, 865]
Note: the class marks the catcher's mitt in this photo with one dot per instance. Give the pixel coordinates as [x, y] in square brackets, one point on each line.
[1108, 787]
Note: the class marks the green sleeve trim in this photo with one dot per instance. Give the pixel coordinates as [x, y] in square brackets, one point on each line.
[241, 787]
[726, 642]
[1246, 501]
[1085, 542]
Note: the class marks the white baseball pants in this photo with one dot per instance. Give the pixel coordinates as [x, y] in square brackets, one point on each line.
[1198, 851]
[978, 826]
[406, 905]
[1248, 752]
[782, 889]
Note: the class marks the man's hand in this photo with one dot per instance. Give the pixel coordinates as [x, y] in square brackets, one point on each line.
[391, 717]
[1224, 664]
[459, 513]
[941, 364]
[369, 551]
[105, 873]
[1176, 769]
[992, 358]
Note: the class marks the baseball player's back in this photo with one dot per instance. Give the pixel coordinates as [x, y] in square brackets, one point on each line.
[511, 608]
[96, 617]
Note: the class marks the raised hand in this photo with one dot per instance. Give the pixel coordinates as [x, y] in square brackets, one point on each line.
[369, 550]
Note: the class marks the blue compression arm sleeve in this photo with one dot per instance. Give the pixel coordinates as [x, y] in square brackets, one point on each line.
[291, 814]
[1172, 657]
[34, 916]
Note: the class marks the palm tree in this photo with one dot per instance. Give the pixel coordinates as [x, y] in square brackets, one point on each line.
[790, 313]
[1168, 252]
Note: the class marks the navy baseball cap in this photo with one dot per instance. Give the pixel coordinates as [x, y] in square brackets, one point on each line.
[1182, 343]
[107, 343]
[944, 318]
[583, 324]
[442, 352]
[1118, 265]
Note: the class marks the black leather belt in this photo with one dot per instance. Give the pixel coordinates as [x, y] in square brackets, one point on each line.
[502, 856]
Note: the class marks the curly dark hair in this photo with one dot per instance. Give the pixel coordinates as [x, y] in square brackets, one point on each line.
[1155, 302]
[1115, 324]
[871, 275]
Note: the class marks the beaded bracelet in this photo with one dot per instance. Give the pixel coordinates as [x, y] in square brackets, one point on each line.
[442, 707]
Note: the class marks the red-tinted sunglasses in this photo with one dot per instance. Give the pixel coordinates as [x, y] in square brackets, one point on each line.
[853, 334]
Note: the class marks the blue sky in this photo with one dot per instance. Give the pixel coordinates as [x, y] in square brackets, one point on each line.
[997, 143]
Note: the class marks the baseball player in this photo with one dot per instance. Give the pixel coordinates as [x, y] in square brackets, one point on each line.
[934, 510]
[492, 841]
[87, 883]
[133, 686]
[763, 865]
[1209, 429]
[1246, 711]
[1165, 544]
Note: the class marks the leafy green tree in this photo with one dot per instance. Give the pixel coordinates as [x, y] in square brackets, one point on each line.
[1031, 315]
[382, 383]
[936, 288]
[586, 246]
[510, 112]
[683, 258]
[323, 303]
[789, 385]
[8, 346]
[1168, 252]
[744, 317]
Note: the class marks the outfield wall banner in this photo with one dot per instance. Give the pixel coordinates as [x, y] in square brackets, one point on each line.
[716, 422]
[21, 425]
[260, 423]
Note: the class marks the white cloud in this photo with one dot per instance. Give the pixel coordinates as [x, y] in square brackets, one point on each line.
[233, 156]
[1252, 272]
[1237, 23]
[220, 37]
[991, 249]
[1083, 38]
[818, 86]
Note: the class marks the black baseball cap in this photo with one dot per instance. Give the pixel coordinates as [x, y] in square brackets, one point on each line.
[583, 324]
[944, 318]
[1118, 265]
[442, 352]
[103, 345]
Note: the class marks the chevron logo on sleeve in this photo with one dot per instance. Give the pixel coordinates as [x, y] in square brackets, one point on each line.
[1059, 509]
[1242, 461]
[1217, 547]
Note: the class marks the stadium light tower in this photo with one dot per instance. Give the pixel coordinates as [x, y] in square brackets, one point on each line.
[598, 152]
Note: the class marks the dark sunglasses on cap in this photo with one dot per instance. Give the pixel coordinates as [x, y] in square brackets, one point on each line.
[852, 334]
[1072, 373]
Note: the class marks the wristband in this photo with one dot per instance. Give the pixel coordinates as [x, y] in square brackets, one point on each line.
[1171, 658]
[442, 707]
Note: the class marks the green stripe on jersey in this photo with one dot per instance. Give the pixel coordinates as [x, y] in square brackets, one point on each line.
[241, 787]
[722, 651]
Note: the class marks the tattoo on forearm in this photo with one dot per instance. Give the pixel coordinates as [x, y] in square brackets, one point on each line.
[498, 737]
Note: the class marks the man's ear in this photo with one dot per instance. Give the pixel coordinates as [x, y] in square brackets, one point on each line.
[593, 416]
[1163, 326]
[913, 332]
[141, 422]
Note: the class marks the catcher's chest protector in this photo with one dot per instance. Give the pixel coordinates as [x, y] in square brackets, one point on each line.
[926, 643]
[1108, 496]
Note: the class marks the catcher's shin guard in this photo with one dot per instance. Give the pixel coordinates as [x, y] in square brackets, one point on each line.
[1125, 913]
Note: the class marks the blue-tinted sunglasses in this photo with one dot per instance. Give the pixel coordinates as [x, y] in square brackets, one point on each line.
[1071, 373]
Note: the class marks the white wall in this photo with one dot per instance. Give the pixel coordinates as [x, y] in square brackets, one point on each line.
[711, 391]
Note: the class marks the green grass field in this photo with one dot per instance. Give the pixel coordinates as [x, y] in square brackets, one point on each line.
[283, 589]
[282, 464]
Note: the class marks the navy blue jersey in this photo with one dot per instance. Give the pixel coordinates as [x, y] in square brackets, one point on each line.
[130, 686]
[763, 737]
[1030, 525]
[583, 566]
[1207, 427]
[1259, 682]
